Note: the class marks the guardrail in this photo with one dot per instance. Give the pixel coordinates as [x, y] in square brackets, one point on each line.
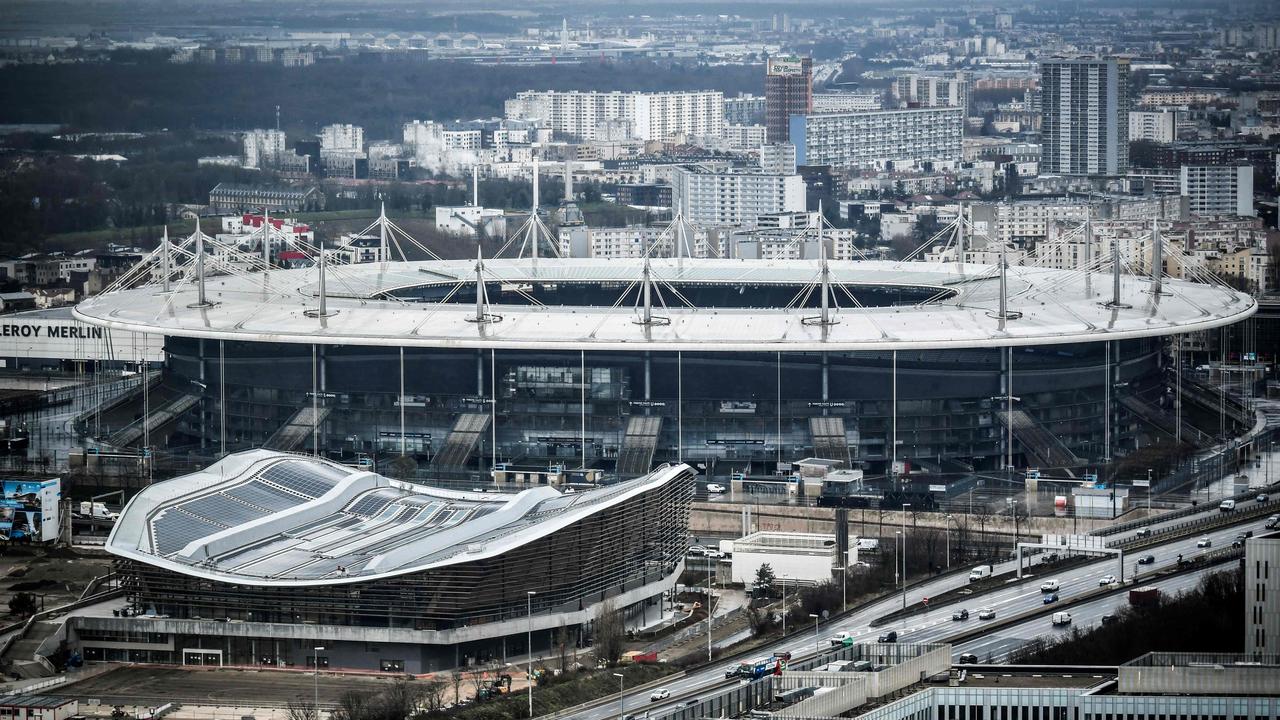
[664, 680]
[1209, 522]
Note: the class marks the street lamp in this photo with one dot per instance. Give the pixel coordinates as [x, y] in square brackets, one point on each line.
[710, 613]
[817, 644]
[948, 520]
[784, 606]
[529, 645]
[315, 675]
[622, 699]
[1148, 491]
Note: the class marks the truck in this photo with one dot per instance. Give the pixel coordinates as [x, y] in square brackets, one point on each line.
[1061, 618]
[758, 668]
[841, 639]
[1146, 596]
[981, 572]
[97, 511]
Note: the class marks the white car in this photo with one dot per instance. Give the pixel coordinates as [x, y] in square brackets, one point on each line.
[1049, 586]
[659, 694]
[1107, 580]
[1204, 542]
[715, 554]
[697, 551]
[987, 613]
[716, 488]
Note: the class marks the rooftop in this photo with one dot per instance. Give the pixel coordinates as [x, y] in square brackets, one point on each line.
[262, 517]
[374, 304]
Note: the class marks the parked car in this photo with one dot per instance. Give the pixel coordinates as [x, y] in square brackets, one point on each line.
[716, 488]
[1049, 586]
[1050, 598]
[1204, 542]
[697, 551]
[967, 659]
[889, 637]
[664, 693]
[715, 554]
[987, 613]
[961, 614]
[1106, 580]
[1147, 560]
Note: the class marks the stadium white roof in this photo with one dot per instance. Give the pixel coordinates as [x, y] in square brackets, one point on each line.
[1053, 306]
[268, 518]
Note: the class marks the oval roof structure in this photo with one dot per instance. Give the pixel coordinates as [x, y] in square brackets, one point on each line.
[1050, 306]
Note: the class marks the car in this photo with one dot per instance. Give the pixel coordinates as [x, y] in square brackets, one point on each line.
[1147, 560]
[1143, 532]
[1051, 598]
[715, 554]
[889, 637]
[987, 613]
[729, 672]
[960, 614]
[1106, 580]
[1238, 542]
[1273, 522]
[716, 488]
[1049, 586]
[1227, 505]
[1204, 542]
[1262, 497]
[967, 659]
[691, 702]
[1108, 619]
[664, 693]
[697, 551]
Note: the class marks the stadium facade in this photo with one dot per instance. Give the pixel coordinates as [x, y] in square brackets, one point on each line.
[622, 364]
[264, 556]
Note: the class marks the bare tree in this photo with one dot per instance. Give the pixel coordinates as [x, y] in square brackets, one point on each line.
[352, 705]
[562, 647]
[456, 677]
[302, 710]
[609, 633]
[432, 695]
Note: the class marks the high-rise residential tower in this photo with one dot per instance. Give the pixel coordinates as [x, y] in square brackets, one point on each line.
[788, 90]
[1085, 108]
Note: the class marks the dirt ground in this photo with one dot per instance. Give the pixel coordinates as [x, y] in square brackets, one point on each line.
[57, 575]
[243, 688]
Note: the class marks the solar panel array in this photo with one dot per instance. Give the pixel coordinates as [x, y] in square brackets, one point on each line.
[173, 529]
[307, 479]
[263, 496]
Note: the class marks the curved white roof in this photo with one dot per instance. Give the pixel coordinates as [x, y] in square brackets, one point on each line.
[268, 518]
[1053, 307]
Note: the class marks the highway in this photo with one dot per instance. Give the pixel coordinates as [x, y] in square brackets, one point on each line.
[998, 643]
[935, 624]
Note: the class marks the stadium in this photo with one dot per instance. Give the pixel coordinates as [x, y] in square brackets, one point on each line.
[264, 556]
[731, 365]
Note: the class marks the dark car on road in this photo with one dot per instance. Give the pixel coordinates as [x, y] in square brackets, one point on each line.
[1051, 598]
[889, 637]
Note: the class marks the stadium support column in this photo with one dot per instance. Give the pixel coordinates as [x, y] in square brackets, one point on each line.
[1008, 409]
[315, 403]
[402, 439]
[323, 369]
[1157, 259]
[1177, 394]
[204, 408]
[893, 439]
[1088, 256]
[493, 408]
[680, 408]
[1106, 405]
[222, 398]
[778, 405]
[582, 369]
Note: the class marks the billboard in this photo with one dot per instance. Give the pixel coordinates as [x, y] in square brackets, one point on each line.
[29, 510]
[787, 65]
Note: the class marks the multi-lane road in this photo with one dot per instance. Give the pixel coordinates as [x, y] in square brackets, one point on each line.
[936, 625]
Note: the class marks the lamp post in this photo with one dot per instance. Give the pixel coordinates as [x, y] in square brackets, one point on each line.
[784, 606]
[844, 583]
[315, 676]
[528, 596]
[817, 643]
[1148, 491]
[902, 523]
[710, 610]
[622, 699]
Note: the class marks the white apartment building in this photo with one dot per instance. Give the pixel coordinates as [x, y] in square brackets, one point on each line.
[1155, 125]
[1218, 190]
[922, 90]
[845, 102]
[778, 159]
[875, 138]
[1085, 121]
[1262, 594]
[263, 148]
[576, 115]
[716, 198]
[633, 241]
[340, 139]
[744, 137]
[1024, 222]
[469, 220]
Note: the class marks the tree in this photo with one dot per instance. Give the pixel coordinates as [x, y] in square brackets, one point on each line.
[608, 633]
[455, 678]
[765, 579]
[23, 604]
[562, 647]
[404, 467]
[352, 705]
[302, 710]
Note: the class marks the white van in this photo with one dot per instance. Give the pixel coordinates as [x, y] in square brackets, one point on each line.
[1061, 618]
[1227, 505]
[1049, 586]
[979, 573]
